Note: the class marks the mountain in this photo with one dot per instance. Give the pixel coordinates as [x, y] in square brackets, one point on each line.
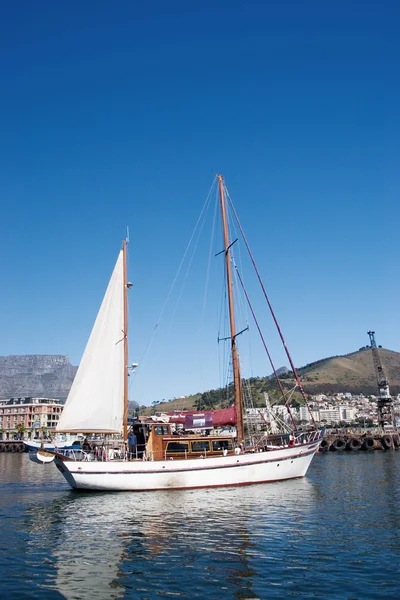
[52, 375]
[280, 371]
[37, 375]
[351, 373]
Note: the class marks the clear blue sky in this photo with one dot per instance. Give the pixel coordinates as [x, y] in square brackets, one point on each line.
[115, 114]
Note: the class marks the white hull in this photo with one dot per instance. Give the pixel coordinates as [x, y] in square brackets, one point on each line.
[137, 476]
[41, 458]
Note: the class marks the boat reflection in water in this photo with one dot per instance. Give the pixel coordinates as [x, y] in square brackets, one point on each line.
[182, 541]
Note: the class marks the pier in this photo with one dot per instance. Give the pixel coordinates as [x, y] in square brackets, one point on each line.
[11, 446]
[355, 440]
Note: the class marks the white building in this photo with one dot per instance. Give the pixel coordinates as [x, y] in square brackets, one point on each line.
[347, 413]
[329, 415]
[307, 415]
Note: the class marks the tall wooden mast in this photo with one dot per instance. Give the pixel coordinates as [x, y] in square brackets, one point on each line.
[125, 342]
[237, 382]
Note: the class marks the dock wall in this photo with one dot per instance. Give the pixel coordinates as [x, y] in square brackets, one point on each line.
[354, 442]
[11, 446]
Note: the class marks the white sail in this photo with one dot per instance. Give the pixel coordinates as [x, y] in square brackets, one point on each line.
[96, 400]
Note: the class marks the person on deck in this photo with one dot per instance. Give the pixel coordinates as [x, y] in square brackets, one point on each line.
[86, 445]
[132, 444]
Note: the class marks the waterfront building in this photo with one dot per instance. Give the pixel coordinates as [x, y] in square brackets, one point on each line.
[330, 415]
[347, 413]
[34, 414]
[305, 414]
[282, 412]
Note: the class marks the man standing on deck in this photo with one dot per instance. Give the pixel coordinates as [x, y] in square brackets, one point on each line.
[132, 443]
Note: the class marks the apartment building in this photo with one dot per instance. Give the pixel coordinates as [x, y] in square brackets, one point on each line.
[32, 413]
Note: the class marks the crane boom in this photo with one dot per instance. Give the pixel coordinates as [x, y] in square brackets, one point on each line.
[385, 403]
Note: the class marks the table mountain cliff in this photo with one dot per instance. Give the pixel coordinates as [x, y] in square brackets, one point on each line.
[37, 375]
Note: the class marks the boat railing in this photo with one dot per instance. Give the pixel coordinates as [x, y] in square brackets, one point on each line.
[102, 453]
[72, 453]
[307, 437]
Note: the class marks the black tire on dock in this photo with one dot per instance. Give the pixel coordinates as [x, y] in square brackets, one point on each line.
[7, 447]
[15, 448]
[21, 447]
[353, 444]
[396, 440]
[368, 443]
[387, 442]
[338, 445]
[2, 447]
[324, 446]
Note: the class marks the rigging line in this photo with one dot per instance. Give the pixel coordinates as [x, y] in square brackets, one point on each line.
[225, 355]
[223, 327]
[227, 347]
[210, 253]
[243, 316]
[232, 223]
[277, 418]
[176, 277]
[299, 384]
[266, 350]
[206, 287]
[196, 243]
[241, 304]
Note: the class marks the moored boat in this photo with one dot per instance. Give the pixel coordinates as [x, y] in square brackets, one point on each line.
[53, 445]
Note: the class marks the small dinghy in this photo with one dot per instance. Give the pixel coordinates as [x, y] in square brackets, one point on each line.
[41, 457]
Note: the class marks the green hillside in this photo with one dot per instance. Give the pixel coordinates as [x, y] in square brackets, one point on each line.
[352, 373]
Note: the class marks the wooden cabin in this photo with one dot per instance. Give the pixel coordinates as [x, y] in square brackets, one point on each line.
[163, 445]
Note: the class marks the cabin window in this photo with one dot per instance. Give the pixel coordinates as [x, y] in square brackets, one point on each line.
[201, 446]
[177, 447]
[161, 430]
[222, 445]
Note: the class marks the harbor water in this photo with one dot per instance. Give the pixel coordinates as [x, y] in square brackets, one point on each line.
[333, 534]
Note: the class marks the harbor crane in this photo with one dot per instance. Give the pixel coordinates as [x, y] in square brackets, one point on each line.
[385, 402]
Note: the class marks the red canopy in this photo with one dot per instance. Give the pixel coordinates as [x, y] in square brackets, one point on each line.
[220, 417]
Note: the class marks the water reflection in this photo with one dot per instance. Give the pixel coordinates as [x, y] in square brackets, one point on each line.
[102, 542]
[331, 535]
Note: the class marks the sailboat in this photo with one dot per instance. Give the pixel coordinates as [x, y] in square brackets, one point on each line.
[98, 404]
